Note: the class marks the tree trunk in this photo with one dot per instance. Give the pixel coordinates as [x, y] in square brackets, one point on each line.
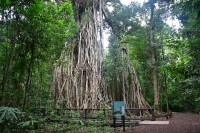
[80, 76]
[154, 58]
[28, 80]
[8, 63]
[132, 95]
[155, 79]
[165, 83]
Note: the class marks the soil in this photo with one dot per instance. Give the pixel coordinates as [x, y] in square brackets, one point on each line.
[178, 123]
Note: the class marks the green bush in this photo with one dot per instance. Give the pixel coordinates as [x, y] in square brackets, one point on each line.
[13, 120]
[9, 118]
[9, 114]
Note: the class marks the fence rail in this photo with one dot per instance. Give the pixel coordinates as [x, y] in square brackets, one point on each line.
[85, 113]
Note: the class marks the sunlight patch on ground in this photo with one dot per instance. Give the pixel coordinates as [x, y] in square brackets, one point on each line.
[154, 122]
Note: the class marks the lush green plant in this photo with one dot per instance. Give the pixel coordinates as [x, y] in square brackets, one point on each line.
[9, 117]
[9, 114]
[28, 123]
[73, 114]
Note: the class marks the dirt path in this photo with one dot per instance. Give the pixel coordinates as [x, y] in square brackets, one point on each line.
[179, 123]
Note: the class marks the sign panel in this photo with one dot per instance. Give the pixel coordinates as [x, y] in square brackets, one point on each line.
[119, 108]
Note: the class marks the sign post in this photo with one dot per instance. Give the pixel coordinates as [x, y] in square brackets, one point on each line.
[119, 111]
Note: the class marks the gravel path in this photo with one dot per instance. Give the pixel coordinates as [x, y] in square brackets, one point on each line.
[179, 123]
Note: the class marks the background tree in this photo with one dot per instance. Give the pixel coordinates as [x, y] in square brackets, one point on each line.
[183, 69]
[123, 81]
[31, 32]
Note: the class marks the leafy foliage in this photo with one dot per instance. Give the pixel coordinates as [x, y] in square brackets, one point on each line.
[9, 114]
[33, 34]
[177, 52]
[28, 123]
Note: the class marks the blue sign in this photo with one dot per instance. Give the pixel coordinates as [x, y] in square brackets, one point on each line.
[119, 108]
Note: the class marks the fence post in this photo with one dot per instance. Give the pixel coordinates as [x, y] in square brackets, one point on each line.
[104, 112]
[85, 114]
[114, 121]
[123, 121]
[153, 115]
[142, 113]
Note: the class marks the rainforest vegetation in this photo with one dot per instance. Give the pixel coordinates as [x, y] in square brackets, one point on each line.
[53, 57]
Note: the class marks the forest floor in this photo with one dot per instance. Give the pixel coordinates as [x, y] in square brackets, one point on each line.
[179, 123]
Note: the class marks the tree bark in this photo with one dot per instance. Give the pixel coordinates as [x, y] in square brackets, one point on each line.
[83, 59]
[154, 56]
[28, 80]
[165, 83]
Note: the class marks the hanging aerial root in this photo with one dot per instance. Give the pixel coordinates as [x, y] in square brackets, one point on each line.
[79, 78]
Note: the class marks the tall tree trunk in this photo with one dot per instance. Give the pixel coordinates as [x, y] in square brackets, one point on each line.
[80, 76]
[28, 80]
[154, 56]
[165, 82]
[133, 95]
[7, 65]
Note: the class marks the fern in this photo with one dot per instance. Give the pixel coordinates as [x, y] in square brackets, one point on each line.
[27, 123]
[8, 113]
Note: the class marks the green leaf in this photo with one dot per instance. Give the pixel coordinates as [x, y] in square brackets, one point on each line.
[7, 2]
[8, 113]
[81, 122]
[3, 115]
[27, 123]
[12, 111]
